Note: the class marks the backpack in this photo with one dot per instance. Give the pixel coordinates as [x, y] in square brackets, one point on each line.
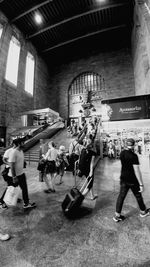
[72, 158]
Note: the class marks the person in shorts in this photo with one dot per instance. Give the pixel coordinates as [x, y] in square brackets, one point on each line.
[61, 163]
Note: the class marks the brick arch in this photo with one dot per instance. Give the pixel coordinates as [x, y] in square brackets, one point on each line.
[80, 86]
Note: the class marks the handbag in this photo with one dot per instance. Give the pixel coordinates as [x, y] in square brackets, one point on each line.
[50, 167]
[11, 195]
[5, 173]
[41, 165]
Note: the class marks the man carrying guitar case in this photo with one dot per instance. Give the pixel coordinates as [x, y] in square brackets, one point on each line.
[75, 197]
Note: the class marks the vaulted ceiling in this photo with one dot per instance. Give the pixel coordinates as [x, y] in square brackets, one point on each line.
[71, 28]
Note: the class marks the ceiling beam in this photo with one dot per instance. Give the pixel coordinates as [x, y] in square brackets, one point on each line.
[73, 18]
[84, 36]
[30, 10]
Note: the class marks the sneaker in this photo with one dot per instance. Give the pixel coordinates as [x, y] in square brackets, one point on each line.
[145, 214]
[29, 205]
[4, 237]
[118, 218]
[3, 206]
[47, 191]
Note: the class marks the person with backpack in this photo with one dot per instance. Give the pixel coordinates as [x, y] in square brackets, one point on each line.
[61, 163]
[74, 153]
[86, 164]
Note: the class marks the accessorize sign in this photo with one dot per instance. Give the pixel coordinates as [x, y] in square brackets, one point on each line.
[128, 110]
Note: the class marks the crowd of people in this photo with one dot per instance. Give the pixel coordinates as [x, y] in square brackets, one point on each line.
[79, 159]
[113, 147]
[54, 162]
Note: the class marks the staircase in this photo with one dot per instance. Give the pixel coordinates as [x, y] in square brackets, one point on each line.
[60, 138]
[31, 156]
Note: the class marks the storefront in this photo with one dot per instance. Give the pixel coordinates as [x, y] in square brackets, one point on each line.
[128, 117]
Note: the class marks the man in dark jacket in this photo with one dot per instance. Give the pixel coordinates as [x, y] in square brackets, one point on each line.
[130, 178]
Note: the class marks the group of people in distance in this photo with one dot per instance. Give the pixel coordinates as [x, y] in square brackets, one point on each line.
[55, 161]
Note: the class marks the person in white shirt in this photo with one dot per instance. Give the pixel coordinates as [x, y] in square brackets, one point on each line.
[50, 168]
[16, 160]
[8, 175]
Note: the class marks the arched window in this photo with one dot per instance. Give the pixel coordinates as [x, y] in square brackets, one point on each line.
[13, 61]
[87, 81]
[29, 73]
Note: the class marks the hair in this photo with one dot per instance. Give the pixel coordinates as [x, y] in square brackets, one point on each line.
[130, 142]
[62, 148]
[17, 141]
[52, 144]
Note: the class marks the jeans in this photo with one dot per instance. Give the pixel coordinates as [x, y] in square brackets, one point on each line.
[23, 185]
[124, 188]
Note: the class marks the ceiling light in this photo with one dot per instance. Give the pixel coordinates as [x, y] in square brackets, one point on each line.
[101, 1]
[38, 18]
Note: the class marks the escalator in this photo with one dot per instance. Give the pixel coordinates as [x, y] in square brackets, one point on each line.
[47, 133]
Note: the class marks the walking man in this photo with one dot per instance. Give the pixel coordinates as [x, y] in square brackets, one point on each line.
[16, 161]
[7, 177]
[130, 178]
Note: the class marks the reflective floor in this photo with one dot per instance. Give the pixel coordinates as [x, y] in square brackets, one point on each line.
[44, 237]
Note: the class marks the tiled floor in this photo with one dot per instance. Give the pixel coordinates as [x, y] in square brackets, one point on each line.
[44, 237]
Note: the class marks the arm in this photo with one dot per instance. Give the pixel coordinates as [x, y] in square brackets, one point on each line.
[46, 155]
[66, 160]
[91, 166]
[139, 176]
[5, 160]
[5, 157]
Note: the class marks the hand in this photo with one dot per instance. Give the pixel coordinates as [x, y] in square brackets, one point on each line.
[90, 174]
[141, 188]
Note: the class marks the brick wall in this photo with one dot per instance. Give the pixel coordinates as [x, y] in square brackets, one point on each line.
[141, 49]
[14, 100]
[51, 88]
[115, 67]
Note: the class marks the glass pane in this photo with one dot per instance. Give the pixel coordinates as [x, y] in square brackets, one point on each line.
[1, 30]
[13, 61]
[29, 75]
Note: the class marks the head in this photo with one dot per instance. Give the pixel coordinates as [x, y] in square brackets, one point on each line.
[51, 144]
[18, 143]
[62, 149]
[89, 142]
[130, 143]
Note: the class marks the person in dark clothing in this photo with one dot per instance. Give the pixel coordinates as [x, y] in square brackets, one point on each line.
[86, 164]
[130, 178]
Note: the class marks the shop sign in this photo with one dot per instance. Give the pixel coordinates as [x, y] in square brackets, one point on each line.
[128, 110]
[148, 107]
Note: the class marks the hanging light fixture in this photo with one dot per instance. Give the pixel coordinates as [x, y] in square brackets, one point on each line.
[38, 18]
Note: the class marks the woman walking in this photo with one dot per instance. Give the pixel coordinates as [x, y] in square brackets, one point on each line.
[50, 167]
